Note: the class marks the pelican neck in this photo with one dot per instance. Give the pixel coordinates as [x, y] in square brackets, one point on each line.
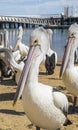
[71, 57]
[34, 69]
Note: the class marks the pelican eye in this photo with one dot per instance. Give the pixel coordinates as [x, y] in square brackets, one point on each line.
[35, 42]
[72, 34]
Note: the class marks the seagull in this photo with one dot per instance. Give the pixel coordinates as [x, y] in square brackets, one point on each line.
[69, 71]
[44, 106]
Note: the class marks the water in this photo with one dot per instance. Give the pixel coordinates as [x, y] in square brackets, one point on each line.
[58, 41]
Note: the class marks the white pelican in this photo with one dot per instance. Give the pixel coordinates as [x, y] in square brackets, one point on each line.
[50, 51]
[9, 60]
[43, 105]
[12, 61]
[20, 32]
[4, 39]
[51, 56]
[50, 33]
[69, 71]
[50, 61]
[19, 45]
[5, 70]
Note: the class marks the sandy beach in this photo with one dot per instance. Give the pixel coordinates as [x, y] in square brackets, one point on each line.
[14, 118]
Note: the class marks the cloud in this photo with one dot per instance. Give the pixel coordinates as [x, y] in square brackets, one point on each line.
[59, 3]
[12, 1]
[23, 7]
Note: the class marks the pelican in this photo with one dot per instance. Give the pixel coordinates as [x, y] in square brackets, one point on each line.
[50, 61]
[19, 45]
[51, 56]
[10, 61]
[50, 51]
[5, 70]
[69, 71]
[14, 61]
[17, 56]
[4, 39]
[44, 106]
[20, 32]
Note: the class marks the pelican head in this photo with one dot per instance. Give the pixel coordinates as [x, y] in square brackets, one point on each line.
[38, 48]
[72, 43]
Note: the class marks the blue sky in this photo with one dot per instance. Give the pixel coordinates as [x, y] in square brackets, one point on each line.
[35, 7]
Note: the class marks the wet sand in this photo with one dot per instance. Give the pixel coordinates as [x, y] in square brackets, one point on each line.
[14, 118]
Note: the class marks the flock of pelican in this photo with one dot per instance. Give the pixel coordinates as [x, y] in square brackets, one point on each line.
[16, 57]
[45, 107]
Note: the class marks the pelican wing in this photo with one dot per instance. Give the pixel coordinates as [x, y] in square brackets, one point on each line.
[8, 56]
[60, 101]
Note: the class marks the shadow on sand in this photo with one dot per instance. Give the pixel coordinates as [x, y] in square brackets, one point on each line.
[7, 96]
[12, 112]
[8, 82]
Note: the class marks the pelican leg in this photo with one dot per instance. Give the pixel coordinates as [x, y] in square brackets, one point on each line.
[74, 103]
[37, 128]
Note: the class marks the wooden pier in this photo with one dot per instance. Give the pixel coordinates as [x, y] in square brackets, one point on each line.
[29, 22]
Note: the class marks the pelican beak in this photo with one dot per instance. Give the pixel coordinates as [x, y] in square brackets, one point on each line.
[70, 42]
[34, 51]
